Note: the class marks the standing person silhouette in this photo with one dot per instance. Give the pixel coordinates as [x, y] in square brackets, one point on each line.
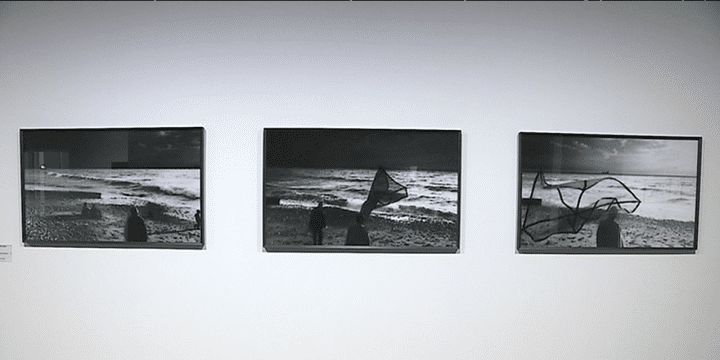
[608, 231]
[356, 234]
[135, 227]
[85, 212]
[95, 212]
[198, 219]
[317, 224]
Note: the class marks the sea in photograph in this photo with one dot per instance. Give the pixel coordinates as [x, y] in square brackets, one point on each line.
[665, 216]
[427, 217]
[167, 199]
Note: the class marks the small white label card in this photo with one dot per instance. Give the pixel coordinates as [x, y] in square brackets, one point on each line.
[5, 253]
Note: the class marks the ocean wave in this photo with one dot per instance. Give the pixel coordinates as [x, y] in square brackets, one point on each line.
[124, 183]
[344, 179]
[396, 212]
[441, 188]
[310, 198]
[337, 202]
[133, 186]
[668, 191]
[420, 210]
[271, 177]
[172, 191]
[349, 188]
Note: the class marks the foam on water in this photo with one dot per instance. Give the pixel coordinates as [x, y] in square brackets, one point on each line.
[662, 197]
[432, 195]
[174, 188]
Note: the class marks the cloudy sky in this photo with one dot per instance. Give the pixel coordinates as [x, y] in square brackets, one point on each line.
[363, 148]
[616, 155]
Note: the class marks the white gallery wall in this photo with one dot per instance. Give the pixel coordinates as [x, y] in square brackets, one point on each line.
[488, 69]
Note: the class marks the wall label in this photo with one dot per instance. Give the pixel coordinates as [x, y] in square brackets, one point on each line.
[5, 253]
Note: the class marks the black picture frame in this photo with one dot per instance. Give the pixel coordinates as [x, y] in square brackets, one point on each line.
[113, 187]
[608, 194]
[414, 175]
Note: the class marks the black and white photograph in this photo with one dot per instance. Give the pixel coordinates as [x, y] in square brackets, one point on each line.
[361, 190]
[113, 187]
[608, 193]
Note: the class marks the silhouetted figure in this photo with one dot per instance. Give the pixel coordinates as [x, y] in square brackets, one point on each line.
[608, 231]
[85, 212]
[90, 212]
[317, 224]
[94, 212]
[383, 191]
[356, 234]
[198, 218]
[135, 228]
[369, 205]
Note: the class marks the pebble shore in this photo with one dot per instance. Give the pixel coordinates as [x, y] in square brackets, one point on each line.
[635, 232]
[289, 226]
[59, 220]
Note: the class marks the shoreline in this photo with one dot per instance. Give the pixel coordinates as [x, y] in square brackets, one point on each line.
[289, 226]
[57, 217]
[635, 231]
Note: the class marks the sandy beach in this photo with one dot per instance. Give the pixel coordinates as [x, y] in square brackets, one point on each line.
[289, 226]
[635, 232]
[56, 217]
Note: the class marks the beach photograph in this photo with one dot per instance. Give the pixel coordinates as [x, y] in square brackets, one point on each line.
[361, 190]
[607, 193]
[116, 187]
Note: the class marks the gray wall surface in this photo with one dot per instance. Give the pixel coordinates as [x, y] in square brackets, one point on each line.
[488, 69]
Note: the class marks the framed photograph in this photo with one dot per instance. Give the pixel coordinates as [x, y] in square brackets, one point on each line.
[119, 187]
[592, 193]
[361, 190]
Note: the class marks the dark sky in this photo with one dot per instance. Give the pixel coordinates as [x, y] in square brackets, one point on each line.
[616, 155]
[140, 148]
[166, 148]
[363, 148]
